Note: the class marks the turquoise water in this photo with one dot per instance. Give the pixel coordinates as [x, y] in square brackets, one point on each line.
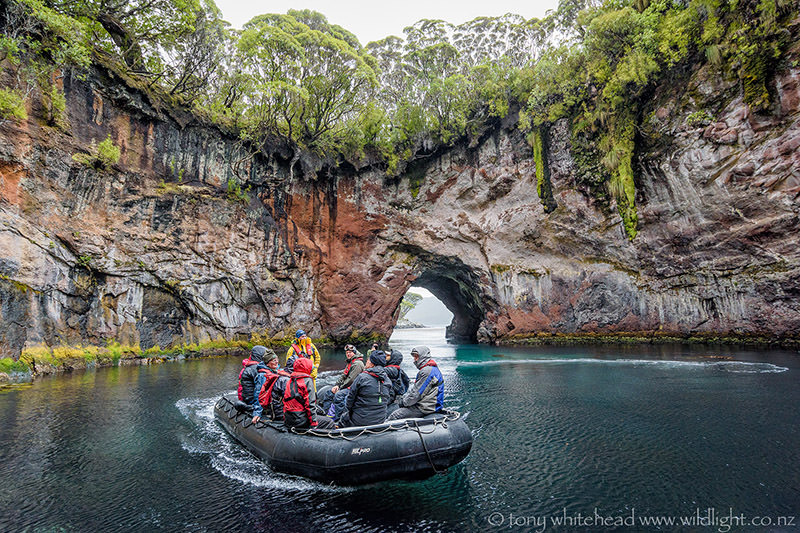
[611, 434]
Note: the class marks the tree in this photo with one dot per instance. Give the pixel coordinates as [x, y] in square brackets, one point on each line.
[410, 301]
[307, 79]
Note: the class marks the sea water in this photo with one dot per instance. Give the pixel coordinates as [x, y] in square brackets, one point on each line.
[633, 438]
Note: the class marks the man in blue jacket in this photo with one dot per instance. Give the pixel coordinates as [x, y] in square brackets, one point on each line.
[426, 396]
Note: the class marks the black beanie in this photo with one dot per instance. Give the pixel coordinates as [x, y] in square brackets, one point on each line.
[378, 358]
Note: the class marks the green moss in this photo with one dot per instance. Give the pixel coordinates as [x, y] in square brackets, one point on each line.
[499, 269]
[699, 118]
[18, 285]
[8, 365]
[416, 177]
[534, 272]
[169, 188]
[12, 105]
[543, 187]
[236, 194]
[655, 337]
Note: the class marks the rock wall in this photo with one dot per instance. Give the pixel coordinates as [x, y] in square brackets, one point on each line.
[158, 250]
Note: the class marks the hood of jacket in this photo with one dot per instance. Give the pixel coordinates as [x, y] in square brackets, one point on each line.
[396, 358]
[302, 365]
[424, 356]
[378, 371]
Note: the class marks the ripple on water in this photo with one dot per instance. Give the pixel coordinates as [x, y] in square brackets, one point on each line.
[736, 367]
[230, 458]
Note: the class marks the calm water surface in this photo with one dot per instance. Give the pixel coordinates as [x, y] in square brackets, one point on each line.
[635, 431]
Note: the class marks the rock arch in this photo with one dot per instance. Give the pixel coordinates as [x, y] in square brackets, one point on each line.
[459, 289]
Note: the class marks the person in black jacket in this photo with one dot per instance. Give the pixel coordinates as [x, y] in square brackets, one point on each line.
[396, 374]
[251, 380]
[369, 394]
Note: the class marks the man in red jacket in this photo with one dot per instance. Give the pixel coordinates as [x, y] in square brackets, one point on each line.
[299, 399]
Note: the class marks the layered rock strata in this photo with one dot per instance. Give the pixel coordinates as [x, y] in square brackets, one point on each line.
[188, 238]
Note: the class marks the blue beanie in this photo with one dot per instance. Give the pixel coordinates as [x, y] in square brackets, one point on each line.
[299, 333]
[378, 358]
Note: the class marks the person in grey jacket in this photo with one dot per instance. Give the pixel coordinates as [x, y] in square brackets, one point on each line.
[369, 394]
[426, 396]
[354, 367]
[332, 399]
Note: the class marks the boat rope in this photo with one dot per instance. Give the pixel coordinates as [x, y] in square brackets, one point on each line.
[367, 430]
[412, 423]
[425, 447]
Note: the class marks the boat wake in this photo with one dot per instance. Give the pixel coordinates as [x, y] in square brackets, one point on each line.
[735, 367]
[230, 458]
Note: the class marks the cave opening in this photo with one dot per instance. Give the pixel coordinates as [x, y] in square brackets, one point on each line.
[462, 308]
[421, 309]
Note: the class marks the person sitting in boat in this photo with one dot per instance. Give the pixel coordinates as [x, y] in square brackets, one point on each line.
[276, 403]
[400, 381]
[299, 399]
[332, 400]
[426, 396]
[275, 381]
[369, 394]
[252, 378]
[303, 347]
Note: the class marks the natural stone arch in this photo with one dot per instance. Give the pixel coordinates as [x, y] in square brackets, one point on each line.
[462, 289]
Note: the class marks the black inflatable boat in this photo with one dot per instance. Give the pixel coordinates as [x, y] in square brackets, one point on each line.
[414, 448]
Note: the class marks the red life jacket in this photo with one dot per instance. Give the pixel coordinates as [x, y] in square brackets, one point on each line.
[295, 397]
[265, 394]
[309, 353]
[245, 363]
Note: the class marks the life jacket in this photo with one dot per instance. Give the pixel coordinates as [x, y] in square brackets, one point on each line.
[296, 401]
[265, 395]
[349, 363]
[247, 389]
[308, 352]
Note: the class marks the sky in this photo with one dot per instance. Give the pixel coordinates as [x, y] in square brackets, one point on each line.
[425, 293]
[371, 20]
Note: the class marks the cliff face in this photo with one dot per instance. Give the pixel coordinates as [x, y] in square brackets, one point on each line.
[157, 251]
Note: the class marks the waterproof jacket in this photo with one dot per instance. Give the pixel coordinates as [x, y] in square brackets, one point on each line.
[251, 379]
[267, 395]
[427, 393]
[400, 381]
[369, 396]
[304, 349]
[299, 397]
[354, 367]
[275, 410]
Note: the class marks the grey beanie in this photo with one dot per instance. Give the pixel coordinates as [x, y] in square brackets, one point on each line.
[257, 353]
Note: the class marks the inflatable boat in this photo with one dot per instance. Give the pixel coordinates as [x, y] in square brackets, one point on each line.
[413, 448]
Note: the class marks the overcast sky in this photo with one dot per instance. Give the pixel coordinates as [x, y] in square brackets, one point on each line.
[425, 293]
[372, 20]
